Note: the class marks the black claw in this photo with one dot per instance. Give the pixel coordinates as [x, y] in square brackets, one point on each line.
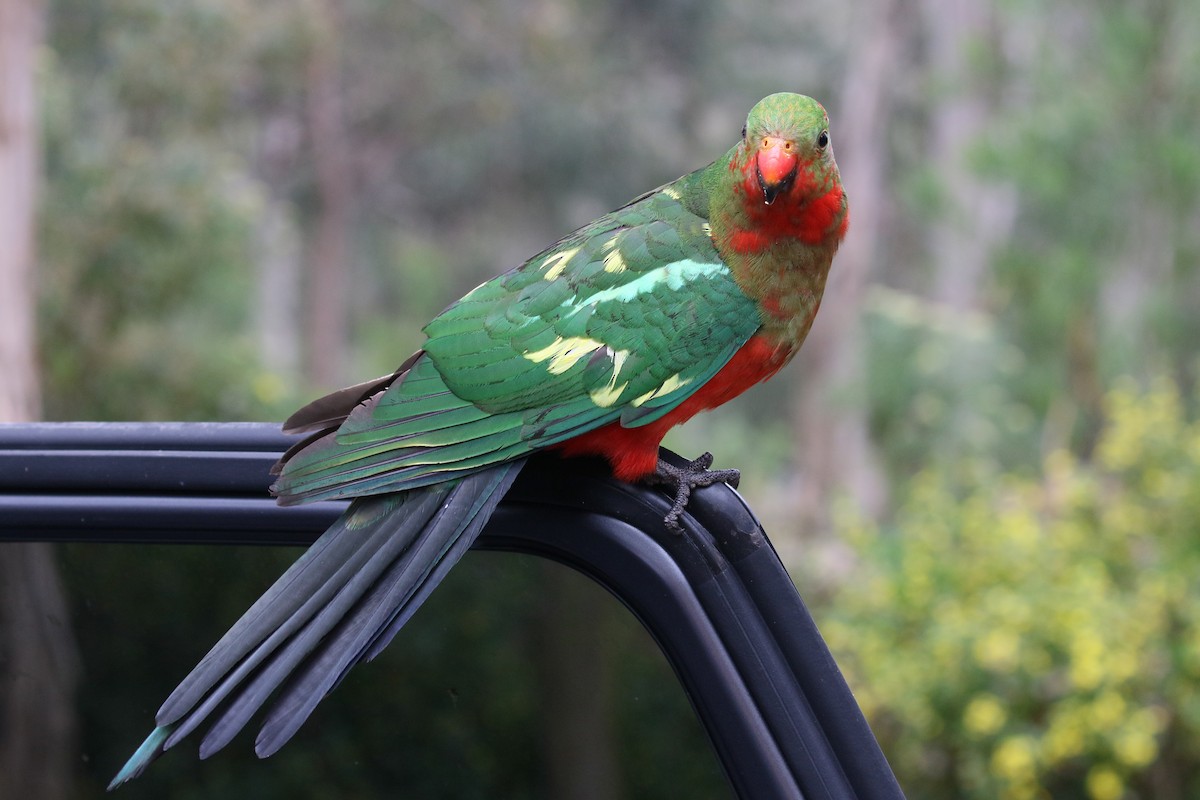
[693, 475]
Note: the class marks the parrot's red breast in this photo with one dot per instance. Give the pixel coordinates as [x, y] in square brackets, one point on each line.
[801, 212]
[633, 452]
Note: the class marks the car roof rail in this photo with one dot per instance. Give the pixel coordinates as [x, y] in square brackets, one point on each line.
[716, 599]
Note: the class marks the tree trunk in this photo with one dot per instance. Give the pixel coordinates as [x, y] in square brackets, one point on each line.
[835, 448]
[978, 215]
[327, 285]
[38, 671]
[20, 34]
[578, 730]
[38, 662]
[279, 279]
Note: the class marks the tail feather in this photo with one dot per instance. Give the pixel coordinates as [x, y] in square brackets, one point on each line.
[390, 604]
[477, 517]
[263, 669]
[338, 605]
[150, 749]
[307, 583]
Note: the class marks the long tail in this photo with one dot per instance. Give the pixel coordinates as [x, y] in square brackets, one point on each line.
[339, 604]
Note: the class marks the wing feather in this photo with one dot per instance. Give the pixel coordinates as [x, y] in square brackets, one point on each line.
[620, 321]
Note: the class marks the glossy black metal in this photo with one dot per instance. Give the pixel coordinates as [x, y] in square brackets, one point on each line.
[717, 599]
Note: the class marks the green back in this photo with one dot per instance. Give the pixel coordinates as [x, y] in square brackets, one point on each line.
[621, 320]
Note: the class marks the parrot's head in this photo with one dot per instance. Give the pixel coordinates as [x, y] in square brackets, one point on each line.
[780, 182]
[786, 154]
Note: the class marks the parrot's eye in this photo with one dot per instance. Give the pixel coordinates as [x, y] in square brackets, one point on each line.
[822, 140]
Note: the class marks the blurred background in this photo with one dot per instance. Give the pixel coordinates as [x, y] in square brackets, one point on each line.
[983, 469]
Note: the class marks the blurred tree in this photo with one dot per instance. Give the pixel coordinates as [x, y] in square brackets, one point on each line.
[972, 215]
[1096, 280]
[1021, 637]
[21, 23]
[837, 455]
[575, 666]
[330, 146]
[147, 225]
[38, 660]
[1025, 200]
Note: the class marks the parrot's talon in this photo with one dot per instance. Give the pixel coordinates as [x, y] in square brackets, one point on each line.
[693, 475]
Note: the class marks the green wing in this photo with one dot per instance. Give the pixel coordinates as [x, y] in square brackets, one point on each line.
[622, 320]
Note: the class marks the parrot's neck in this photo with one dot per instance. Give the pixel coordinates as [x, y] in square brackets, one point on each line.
[779, 254]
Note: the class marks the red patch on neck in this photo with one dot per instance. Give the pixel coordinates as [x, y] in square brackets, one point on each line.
[749, 241]
[771, 306]
[790, 216]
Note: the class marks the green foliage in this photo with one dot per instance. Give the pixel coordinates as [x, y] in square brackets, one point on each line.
[940, 386]
[145, 274]
[1101, 272]
[1017, 628]
[1020, 638]
[147, 239]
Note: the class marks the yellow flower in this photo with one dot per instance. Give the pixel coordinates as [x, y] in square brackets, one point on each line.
[1065, 739]
[997, 649]
[1104, 784]
[1086, 670]
[1108, 710]
[984, 715]
[1135, 748]
[1013, 760]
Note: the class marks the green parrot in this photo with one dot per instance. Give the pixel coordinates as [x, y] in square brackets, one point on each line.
[671, 305]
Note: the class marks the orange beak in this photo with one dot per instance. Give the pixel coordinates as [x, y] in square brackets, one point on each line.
[776, 165]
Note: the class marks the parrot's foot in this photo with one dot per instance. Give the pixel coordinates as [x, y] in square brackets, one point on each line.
[693, 475]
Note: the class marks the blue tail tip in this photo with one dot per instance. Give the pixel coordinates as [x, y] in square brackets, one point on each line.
[151, 749]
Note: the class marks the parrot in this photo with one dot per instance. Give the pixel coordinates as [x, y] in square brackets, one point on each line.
[672, 304]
